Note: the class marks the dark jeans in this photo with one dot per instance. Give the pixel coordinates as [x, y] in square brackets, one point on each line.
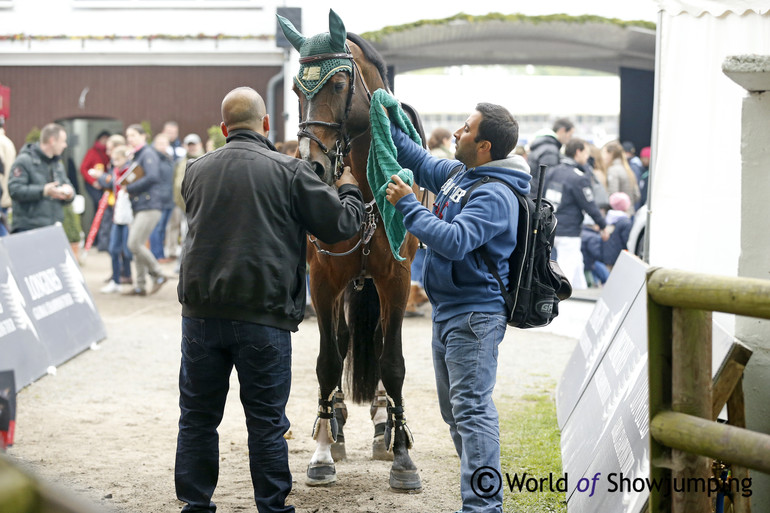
[105, 230]
[4, 219]
[262, 357]
[121, 256]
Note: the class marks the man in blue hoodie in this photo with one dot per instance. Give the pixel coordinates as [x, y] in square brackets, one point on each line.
[469, 314]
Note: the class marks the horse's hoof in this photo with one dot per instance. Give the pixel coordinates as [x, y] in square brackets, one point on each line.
[379, 449]
[321, 474]
[405, 481]
[338, 450]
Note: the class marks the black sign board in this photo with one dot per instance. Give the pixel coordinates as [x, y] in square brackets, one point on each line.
[47, 314]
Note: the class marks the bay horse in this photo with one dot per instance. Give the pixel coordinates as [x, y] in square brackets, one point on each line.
[359, 289]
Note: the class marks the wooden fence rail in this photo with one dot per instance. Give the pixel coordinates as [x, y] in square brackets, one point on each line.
[684, 439]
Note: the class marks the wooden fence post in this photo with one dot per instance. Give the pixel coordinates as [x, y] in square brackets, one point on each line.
[690, 394]
[659, 368]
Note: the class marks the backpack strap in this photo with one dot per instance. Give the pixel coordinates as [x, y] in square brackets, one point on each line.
[454, 172]
[482, 250]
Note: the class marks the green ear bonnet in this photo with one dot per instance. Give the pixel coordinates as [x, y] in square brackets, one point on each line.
[313, 75]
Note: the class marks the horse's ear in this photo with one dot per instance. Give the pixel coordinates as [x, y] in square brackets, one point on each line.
[295, 38]
[337, 31]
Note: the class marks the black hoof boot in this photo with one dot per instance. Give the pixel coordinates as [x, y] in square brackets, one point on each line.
[405, 481]
[321, 474]
[404, 477]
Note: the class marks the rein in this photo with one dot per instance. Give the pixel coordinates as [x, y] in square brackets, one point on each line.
[367, 231]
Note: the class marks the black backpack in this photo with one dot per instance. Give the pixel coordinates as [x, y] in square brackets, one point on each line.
[536, 284]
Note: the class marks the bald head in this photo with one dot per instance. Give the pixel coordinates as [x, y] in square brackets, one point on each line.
[243, 109]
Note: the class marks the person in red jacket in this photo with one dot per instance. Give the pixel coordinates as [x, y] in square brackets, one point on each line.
[94, 165]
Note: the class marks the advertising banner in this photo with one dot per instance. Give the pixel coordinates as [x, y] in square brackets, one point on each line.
[47, 314]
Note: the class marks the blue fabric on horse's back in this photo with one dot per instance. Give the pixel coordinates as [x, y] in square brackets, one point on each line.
[382, 163]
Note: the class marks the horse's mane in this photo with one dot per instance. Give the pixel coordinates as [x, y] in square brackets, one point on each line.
[373, 56]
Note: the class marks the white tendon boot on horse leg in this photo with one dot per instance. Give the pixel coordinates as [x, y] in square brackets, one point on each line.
[321, 469]
[379, 413]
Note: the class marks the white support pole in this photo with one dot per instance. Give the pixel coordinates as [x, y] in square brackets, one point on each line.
[753, 73]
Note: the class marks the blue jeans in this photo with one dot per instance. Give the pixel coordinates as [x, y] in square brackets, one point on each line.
[600, 272]
[158, 235]
[3, 228]
[262, 357]
[118, 248]
[417, 266]
[465, 362]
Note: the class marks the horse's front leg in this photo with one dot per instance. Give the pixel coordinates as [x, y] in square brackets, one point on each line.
[328, 304]
[404, 476]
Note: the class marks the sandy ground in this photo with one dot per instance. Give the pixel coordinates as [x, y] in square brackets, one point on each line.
[105, 425]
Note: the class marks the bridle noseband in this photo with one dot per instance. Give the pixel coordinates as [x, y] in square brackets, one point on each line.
[343, 143]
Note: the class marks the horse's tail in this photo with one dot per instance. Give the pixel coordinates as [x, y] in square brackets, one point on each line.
[365, 347]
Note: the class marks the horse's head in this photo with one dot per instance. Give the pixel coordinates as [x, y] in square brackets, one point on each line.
[333, 102]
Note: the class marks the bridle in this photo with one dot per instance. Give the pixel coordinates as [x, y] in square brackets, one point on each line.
[343, 142]
[338, 154]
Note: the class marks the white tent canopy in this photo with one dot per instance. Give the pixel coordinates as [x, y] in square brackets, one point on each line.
[708, 192]
[696, 180]
[713, 7]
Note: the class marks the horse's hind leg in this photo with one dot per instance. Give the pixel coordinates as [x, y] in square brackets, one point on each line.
[379, 413]
[341, 416]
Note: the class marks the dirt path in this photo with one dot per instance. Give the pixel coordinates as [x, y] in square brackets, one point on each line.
[105, 425]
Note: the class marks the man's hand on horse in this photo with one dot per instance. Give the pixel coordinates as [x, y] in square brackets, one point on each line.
[397, 189]
[346, 177]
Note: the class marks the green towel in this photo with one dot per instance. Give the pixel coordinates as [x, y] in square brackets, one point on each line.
[382, 163]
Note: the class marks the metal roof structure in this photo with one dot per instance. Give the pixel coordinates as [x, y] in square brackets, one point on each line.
[589, 42]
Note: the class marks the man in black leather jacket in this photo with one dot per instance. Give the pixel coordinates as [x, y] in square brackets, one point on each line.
[242, 289]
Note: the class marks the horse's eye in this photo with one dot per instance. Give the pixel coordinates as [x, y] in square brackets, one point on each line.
[339, 86]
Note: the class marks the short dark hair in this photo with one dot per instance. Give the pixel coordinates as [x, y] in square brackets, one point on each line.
[564, 123]
[574, 146]
[498, 127]
[50, 131]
